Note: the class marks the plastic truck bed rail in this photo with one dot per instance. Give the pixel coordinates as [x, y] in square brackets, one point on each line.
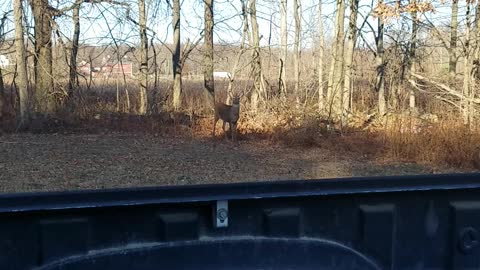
[415, 222]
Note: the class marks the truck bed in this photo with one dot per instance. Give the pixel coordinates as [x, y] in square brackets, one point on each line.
[409, 222]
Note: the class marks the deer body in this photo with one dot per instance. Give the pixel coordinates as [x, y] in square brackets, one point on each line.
[229, 114]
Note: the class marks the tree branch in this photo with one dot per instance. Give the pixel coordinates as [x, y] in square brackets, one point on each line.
[445, 88]
[59, 12]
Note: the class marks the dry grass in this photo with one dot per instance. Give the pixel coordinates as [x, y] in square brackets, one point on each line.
[396, 137]
[399, 137]
[446, 143]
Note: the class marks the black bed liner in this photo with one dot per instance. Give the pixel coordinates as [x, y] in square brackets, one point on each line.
[410, 222]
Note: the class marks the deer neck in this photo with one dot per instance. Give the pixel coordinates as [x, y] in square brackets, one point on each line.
[235, 107]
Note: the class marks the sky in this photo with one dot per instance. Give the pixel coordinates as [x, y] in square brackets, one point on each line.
[227, 17]
[98, 19]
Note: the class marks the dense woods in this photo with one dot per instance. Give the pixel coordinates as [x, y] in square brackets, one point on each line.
[407, 71]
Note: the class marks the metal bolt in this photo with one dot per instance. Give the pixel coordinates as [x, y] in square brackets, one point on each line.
[222, 214]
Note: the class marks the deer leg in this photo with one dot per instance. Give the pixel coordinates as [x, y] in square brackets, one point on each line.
[214, 124]
[224, 132]
[233, 128]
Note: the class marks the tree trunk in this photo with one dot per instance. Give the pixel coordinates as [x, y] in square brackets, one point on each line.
[44, 87]
[476, 61]
[3, 100]
[412, 57]
[21, 78]
[208, 53]
[452, 51]
[380, 66]
[73, 78]
[296, 48]
[352, 36]
[142, 109]
[259, 89]
[467, 92]
[321, 51]
[176, 56]
[2, 90]
[282, 84]
[235, 68]
[335, 77]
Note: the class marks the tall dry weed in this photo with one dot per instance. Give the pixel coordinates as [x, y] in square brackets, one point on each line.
[448, 142]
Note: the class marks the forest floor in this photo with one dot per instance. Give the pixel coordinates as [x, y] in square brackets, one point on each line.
[48, 162]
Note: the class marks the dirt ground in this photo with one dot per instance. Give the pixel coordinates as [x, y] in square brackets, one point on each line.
[47, 162]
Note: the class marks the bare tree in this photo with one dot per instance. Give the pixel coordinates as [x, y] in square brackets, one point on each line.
[452, 50]
[476, 61]
[242, 50]
[179, 55]
[296, 47]
[413, 53]
[208, 52]
[352, 36]
[321, 51]
[284, 52]
[259, 88]
[176, 55]
[73, 78]
[335, 76]
[44, 87]
[3, 101]
[467, 90]
[21, 79]
[380, 66]
[143, 57]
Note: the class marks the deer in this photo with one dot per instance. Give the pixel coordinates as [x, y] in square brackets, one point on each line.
[228, 114]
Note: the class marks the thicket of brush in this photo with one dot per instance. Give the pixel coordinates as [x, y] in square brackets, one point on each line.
[437, 138]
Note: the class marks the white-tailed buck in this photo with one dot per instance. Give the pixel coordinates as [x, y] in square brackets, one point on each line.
[229, 114]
